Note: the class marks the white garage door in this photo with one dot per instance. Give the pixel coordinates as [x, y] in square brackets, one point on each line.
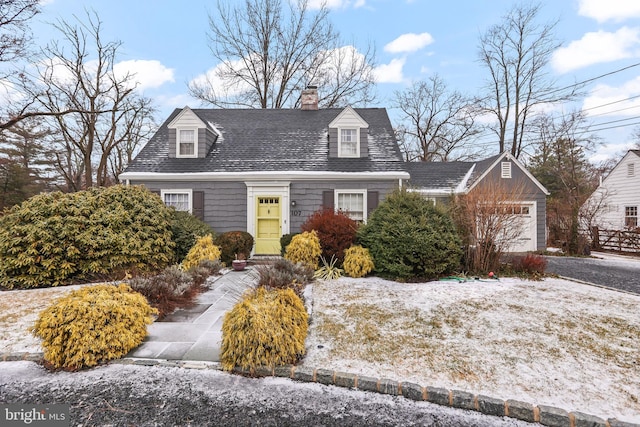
[524, 223]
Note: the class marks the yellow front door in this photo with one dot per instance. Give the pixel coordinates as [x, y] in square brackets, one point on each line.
[268, 226]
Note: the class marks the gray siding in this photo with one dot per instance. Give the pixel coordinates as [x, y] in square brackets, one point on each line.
[531, 192]
[308, 196]
[225, 203]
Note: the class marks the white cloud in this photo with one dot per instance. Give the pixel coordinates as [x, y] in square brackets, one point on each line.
[409, 42]
[9, 95]
[609, 100]
[597, 47]
[391, 72]
[614, 10]
[337, 4]
[145, 73]
[212, 82]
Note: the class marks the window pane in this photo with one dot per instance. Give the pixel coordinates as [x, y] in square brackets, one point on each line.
[180, 201]
[631, 216]
[187, 142]
[352, 204]
[348, 142]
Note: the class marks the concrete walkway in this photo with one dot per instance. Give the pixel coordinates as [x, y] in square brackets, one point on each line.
[196, 333]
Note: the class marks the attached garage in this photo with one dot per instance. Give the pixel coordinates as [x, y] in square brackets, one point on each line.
[504, 174]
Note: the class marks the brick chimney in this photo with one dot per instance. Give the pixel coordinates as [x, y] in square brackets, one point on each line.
[309, 98]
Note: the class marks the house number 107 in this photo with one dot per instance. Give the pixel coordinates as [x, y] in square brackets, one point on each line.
[296, 213]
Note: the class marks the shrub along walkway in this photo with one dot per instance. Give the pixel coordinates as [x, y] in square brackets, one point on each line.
[196, 333]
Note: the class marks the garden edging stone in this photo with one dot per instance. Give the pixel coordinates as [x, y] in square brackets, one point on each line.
[545, 415]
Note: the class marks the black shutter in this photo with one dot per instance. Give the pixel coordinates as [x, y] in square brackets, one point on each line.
[372, 201]
[197, 205]
[327, 200]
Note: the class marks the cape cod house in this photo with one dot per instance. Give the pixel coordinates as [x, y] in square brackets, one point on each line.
[265, 171]
[503, 172]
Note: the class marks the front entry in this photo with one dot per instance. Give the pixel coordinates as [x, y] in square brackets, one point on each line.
[268, 225]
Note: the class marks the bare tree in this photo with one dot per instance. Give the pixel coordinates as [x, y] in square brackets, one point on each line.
[437, 122]
[14, 31]
[102, 108]
[268, 54]
[516, 53]
[489, 221]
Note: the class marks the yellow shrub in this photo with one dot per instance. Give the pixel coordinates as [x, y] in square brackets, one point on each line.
[266, 328]
[203, 250]
[357, 261]
[93, 325]
[304, 248]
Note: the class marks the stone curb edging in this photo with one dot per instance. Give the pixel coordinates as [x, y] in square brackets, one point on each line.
[542, 414]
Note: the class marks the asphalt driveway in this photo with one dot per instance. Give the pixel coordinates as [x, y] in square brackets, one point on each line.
[611, 271]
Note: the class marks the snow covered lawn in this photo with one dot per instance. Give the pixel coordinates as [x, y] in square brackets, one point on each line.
[19, 310]
[552, 342]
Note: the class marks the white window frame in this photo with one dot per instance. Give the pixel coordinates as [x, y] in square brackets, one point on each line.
[364, 201]
[505, 169]
[629, 215]
[195, 142]
[187, 191]
[357, 142]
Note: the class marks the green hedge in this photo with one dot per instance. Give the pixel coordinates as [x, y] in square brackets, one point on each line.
[56, 238]
[409, 238]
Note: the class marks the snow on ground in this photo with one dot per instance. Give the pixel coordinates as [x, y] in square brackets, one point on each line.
[551, 342]
[19, 310]
[618, 259]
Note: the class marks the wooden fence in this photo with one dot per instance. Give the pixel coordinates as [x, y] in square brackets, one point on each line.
[616, 240]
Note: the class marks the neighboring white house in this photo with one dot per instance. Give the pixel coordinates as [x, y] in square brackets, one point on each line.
[614, 205]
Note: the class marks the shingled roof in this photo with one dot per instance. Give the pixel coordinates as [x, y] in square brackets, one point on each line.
[273, 140]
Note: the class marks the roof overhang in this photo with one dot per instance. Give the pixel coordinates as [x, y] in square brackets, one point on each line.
[263, 175]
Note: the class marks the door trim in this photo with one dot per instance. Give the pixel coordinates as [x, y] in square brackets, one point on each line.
[257, 189]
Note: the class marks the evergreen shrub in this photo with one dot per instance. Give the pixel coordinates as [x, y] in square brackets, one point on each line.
[409, 238]
[336, 232]
[92, 325]
[285, 240]
[203, 250]
[234, 243]
[55, 239]
[357, 261]
[304, 248]
[266, 328]
[186, 229]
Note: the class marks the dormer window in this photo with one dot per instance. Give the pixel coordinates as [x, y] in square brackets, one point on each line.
[349, 144]
[187, 143]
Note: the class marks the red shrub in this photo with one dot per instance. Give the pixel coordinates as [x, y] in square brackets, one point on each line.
[530, 264]
[336, 232]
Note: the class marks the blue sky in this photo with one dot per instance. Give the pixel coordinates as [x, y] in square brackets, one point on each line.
[164, 42]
